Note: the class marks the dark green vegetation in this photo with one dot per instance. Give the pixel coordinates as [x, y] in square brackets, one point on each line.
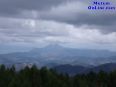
[33, 77]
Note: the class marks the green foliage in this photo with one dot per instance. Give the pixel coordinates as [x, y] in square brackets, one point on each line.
[34, 77]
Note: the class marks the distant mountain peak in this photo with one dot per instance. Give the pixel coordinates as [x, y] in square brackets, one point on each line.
[49, 49]
[54, 46]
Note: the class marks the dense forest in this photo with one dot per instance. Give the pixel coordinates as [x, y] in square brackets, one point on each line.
[34, 77]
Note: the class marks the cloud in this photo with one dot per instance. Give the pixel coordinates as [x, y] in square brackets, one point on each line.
[76, 13]
[56, 21]
[41, 31]
[68, 11]
[12, 6]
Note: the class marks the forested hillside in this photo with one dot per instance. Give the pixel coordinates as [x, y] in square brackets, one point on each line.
[34, 77]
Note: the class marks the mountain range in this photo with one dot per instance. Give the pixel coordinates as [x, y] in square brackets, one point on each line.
[74, 70]
[53, 55]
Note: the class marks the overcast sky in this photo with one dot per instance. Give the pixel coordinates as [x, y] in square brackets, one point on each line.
[35, 23]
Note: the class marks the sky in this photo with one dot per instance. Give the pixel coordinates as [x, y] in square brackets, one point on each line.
[27, 24]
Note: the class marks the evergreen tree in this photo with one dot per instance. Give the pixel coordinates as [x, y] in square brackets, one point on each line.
[34, 77]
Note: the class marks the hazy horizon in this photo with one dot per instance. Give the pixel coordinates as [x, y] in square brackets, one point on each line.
[13, 49]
